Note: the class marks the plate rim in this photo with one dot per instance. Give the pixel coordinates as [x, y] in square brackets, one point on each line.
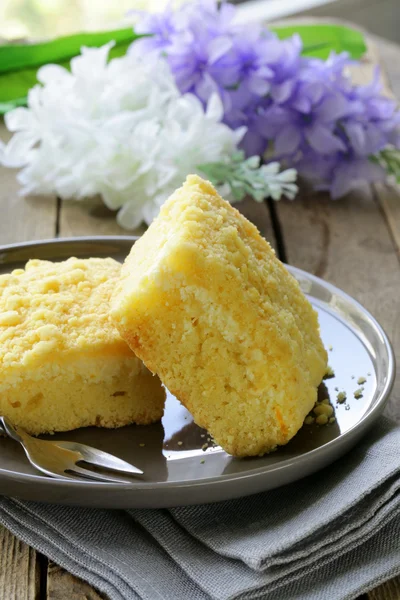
[138, 485]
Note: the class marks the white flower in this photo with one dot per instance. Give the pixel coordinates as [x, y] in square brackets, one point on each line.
[279, 182]
[120, 129]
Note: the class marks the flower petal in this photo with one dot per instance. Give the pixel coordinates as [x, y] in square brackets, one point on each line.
[113, 198]
[351, 173]
[215, 109]
[217, 48]
[356, 135]
[281, 92]
[302, 104]
[52, 73]
[130, 215]
[91, 60]
[287, 140]
[258, 86]
[323, 140]
[332, 108]
[341, 184]
[206, 86]
[253, 143]
[18, 119]
[17, 151]
[239, 134]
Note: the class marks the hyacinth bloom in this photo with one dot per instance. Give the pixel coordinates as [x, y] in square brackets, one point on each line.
[303, 110]
[91, 131]
[199, 93]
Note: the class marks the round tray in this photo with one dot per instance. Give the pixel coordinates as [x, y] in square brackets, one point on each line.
[177, 471]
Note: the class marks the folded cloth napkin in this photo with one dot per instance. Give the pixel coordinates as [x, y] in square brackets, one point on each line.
[333, 535]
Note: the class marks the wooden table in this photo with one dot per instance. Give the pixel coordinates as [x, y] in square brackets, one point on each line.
[354, 243]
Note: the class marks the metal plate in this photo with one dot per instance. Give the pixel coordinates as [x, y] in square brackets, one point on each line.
[177, 470]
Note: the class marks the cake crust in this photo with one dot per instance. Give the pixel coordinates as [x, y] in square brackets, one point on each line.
[63, 363]
[205, 303]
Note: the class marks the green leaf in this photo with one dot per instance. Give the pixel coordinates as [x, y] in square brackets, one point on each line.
[320, 40]
[245, 177]
[389, 159]
[20, 63]
[6, 106]
[24, 56]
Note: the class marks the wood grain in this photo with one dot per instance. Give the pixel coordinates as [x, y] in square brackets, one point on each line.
[388, 55]
[61, 585]
[94, 218]
[23, 219]
[387, 591]
[389, 200]
[355, 244]
[19, 569]
[351, 242]
[347, 243]
[90, 217]
[389, 58]
[258, 214]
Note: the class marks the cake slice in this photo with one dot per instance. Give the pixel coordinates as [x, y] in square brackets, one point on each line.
[63, 363]
[205, 303]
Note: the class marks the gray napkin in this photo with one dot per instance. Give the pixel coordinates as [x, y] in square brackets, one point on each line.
[333, 535]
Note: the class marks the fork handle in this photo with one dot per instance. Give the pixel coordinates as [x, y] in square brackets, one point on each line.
[7, 428]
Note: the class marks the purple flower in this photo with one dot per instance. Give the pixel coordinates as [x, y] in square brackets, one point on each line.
[208, 52]
[250, 66]
[374, 122]
[308, 120]
[285, 61]
[305, 110]
[339, 173]
[161, 26]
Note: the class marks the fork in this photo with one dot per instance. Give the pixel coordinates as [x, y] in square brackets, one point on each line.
[60, 459]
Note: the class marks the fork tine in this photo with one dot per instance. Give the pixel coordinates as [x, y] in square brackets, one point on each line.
[100, 458]
[97, 476]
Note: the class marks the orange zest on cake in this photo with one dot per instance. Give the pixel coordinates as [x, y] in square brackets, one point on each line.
[205, 303]
[63, 363]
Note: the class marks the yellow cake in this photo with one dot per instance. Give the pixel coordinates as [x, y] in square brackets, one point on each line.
[63, 363]
[205, 303]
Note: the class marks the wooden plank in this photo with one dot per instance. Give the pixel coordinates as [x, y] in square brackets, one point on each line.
[326, 235]
[388, 198]
[363, 72]
[387, 55]
[347, 243]
[389, 58]
[387, 591]
[258, 214]
[94, 218]
[61, 585]
[90, 217]
[372, 15]
[23, 219]
[19, 569]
